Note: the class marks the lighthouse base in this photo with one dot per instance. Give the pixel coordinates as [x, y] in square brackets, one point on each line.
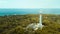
[35, 26]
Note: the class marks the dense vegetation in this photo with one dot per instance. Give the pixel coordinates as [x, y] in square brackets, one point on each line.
[16, 24]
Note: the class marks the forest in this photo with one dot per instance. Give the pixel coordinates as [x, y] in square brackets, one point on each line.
[16, 24]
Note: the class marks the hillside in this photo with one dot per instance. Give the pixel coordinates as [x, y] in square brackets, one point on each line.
[15, 24]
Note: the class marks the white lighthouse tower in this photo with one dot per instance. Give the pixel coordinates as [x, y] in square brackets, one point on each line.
[36, 26]
[39, 25]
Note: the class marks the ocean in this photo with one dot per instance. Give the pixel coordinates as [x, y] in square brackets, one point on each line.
[28, 11]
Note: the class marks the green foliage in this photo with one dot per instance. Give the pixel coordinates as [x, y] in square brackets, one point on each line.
[16, 24]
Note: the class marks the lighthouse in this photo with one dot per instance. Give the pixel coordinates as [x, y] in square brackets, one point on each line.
[39, 25]
[36, 26]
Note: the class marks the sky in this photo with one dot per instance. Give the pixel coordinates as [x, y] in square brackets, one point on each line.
[29, 3]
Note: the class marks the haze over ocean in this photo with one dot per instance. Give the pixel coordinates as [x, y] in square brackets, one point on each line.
[28, 11]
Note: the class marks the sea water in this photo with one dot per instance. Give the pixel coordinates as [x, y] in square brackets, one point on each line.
[27, 11]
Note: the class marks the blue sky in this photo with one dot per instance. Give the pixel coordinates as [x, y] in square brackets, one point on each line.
[29, 3]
